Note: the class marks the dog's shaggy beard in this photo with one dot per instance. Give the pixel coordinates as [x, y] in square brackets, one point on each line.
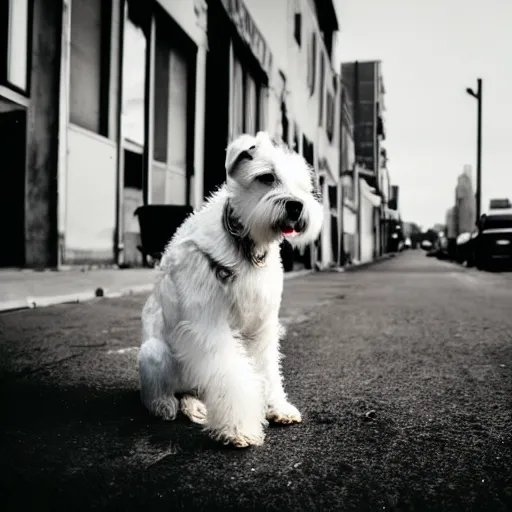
[266, 217]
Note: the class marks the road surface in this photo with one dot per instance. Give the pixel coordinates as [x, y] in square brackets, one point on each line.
[403, 373]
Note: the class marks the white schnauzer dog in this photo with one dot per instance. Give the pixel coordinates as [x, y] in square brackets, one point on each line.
[211, 331]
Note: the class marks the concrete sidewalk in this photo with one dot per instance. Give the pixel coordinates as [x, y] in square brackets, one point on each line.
[27, 289]
[23, 289]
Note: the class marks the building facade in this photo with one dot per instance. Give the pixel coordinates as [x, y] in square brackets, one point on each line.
[112, 104]
[349, 178]
[364, 85]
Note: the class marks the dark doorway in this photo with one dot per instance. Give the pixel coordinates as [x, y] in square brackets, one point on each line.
[13, 125]
[335, 240]
[217, 97]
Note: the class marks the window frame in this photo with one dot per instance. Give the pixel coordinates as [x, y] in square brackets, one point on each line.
[105, 78]
[4, 48]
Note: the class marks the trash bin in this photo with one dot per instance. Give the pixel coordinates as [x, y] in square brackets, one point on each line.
[158, 223]
[287, 255]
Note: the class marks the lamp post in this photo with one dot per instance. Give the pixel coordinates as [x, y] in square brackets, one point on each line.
[478, 96]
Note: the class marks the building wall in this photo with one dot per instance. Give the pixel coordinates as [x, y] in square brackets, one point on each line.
[188, 14]
[294, 60]
[267, 15]
[41, 239]
[311, 97]
[92, 134]
[82, 154]
[97, 224]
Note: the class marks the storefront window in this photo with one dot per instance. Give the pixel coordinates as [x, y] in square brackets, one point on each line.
[237, 117]
[134, 75]
[173, 85]
[17, 47]
[251, 105]
[246, 101]
[161, 98]
[89, 64]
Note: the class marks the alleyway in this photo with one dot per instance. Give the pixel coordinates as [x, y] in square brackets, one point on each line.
[403, 373]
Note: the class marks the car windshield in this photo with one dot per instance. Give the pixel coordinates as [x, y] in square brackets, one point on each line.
[498, 222]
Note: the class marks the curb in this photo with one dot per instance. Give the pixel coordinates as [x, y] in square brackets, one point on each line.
[71, 298]
[296, 273]
[361, 266]
[86, 296]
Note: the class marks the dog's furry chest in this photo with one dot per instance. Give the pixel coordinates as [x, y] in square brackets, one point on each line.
[255, 296]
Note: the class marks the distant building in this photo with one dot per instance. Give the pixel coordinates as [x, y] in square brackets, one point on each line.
[451, 227]
[465, 203]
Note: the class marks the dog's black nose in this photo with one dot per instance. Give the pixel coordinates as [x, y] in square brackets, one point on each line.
[293, 210]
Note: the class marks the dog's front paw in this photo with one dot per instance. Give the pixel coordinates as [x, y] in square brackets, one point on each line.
[284, 414]
[194, 409]
[244, 440]
[238, 439]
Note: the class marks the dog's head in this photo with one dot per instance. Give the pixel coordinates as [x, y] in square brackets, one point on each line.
[273, 191]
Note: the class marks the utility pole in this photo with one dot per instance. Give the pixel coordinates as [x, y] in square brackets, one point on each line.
[478, 194]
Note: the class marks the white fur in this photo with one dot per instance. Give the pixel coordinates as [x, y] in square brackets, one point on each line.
[215, 342]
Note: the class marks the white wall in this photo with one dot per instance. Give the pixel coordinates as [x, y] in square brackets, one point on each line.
[91, 196]
[367, 236]
[267, 15]
[274, 19]
[349, 221]
[369, 202]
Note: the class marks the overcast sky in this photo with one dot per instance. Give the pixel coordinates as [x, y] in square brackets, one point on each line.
[431, 50]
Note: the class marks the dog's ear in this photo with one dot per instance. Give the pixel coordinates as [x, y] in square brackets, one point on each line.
[242, 148]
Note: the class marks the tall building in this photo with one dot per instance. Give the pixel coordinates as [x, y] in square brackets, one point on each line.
[365, 86]
[465, 202]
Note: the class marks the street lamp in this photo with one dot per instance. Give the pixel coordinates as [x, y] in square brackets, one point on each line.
[478, 96]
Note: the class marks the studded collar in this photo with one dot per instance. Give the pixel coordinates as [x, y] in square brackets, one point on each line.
[244, 243]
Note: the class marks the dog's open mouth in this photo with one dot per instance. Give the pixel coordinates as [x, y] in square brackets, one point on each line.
[292, 229]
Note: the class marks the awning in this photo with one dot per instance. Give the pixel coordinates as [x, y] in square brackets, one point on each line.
[389, 213]
[368, 193]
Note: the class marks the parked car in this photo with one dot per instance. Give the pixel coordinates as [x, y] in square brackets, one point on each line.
[463, 249]
[493, 242]
[426, 244]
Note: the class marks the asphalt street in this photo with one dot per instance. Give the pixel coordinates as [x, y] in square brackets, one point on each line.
[402, 371]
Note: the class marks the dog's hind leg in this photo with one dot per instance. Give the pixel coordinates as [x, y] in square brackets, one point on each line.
[157, 374]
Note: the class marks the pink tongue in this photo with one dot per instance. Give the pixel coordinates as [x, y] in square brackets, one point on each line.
[287, 231]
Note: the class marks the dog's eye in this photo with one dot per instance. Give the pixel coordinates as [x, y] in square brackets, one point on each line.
[266, 179]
